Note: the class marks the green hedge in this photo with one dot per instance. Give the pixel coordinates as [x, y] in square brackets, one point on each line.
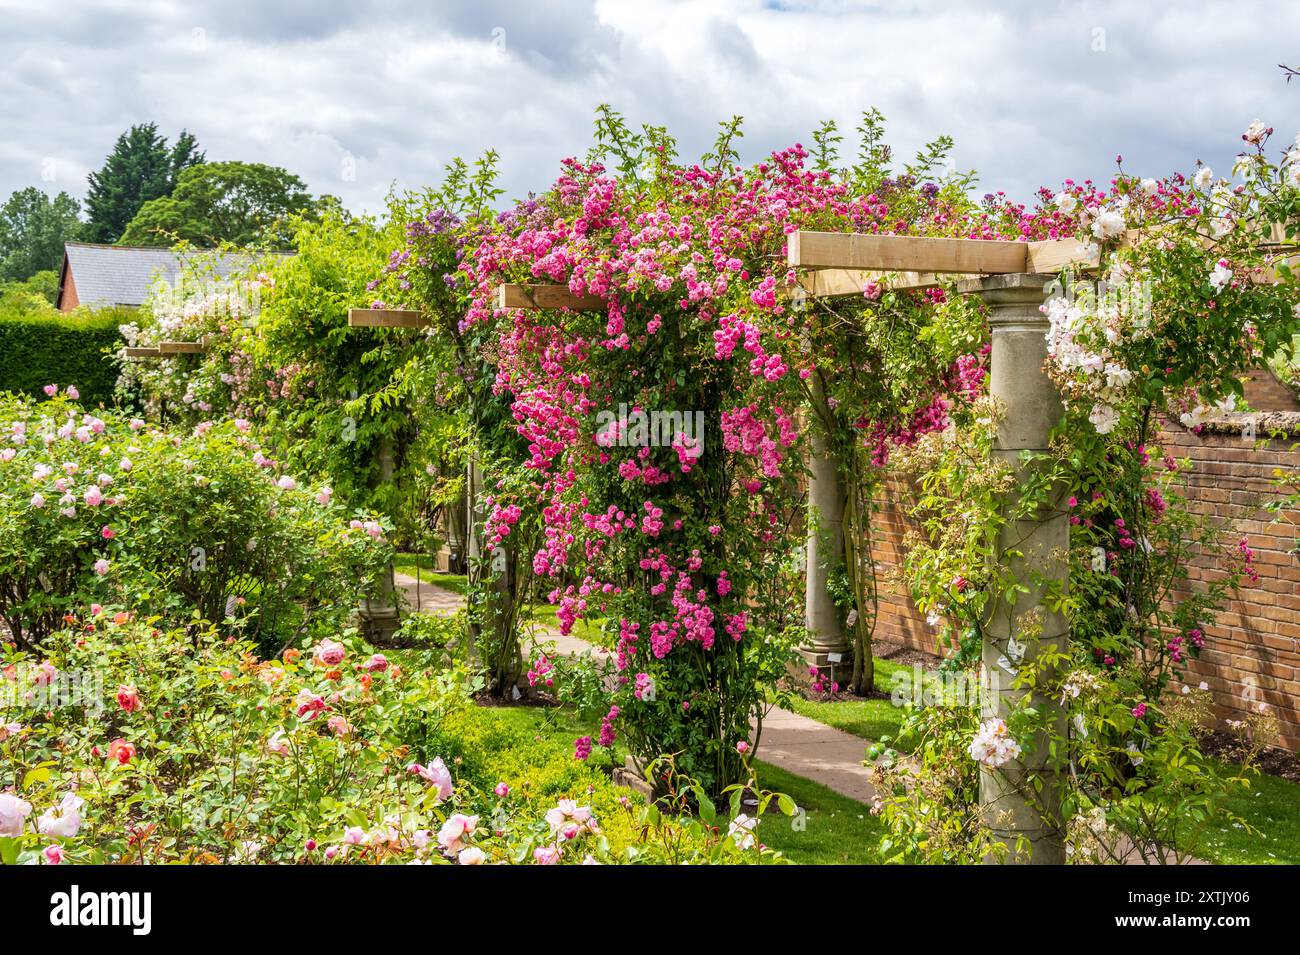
[37, 348]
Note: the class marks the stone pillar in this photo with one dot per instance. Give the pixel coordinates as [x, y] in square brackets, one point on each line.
[827, 649]
[380, 616]
[1040, 547]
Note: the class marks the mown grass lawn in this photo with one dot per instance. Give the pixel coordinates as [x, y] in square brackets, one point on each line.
[1271, 806]
[832, 830]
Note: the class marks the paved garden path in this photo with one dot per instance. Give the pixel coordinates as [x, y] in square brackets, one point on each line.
[424, 597]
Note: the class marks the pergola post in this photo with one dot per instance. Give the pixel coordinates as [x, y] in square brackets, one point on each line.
[1036, 552]
[380, 615]
[827, 649]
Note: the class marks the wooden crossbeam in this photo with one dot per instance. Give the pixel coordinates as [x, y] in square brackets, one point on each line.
[829, 283]
[386, 318]
[142, 352]
[1053, 255]
[181, 348]
[510, 295]
[855, 259]
[899, 253]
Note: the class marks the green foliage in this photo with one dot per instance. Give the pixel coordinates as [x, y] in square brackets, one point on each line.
[33, 229]
[39, 346]
[140, 168]
[351, 395]
[237, 202]
[31, 294]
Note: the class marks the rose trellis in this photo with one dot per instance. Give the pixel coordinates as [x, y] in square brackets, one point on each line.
[758, 298]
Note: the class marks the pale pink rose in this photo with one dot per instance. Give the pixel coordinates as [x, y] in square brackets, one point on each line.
[457, 827]
[278, 744]
[471, 855]
[9, 729]
[50, 390]
[436, 774]
[546, 855]
[329, 653]
[102, 566]
[12, 813]
[53, 854]
[243, 424]
[45, 673]
[72, 392]
[63, 820]
[137, 424]
[377, 663]
[323, 496]
[93, 496]
[339, 726]
[38, 500]
[355, 836]
[8, 454]
[502, 790]
[286, 483]
[125, 464]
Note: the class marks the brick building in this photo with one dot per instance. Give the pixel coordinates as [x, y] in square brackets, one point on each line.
[100, 275]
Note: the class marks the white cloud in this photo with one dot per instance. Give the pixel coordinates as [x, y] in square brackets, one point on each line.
[392, 91]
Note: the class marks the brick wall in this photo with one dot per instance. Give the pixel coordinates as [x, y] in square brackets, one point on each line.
[1253, 653]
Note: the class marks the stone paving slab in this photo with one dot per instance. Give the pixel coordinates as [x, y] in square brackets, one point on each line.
[816, 751]
[424, 597]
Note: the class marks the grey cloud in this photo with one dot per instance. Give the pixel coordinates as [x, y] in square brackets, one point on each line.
[395, 89]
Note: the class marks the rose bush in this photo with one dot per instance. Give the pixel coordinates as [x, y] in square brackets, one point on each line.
[96, 507]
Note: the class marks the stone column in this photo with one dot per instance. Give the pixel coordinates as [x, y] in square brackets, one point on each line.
[380, 615]
[827, 649]
[1035, 549]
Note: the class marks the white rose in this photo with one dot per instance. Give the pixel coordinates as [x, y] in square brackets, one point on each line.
[1108, 225]
[1066, 202]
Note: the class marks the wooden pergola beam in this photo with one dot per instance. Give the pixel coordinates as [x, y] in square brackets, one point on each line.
[386, 318]
[847, 260]
[142, 352]
[829, 283]
[182, 348]
[899, 253]
[510, 295]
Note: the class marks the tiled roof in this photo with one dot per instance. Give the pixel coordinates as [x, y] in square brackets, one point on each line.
[123, 275]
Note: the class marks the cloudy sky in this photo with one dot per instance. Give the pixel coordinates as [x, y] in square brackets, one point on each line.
[354, 96]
